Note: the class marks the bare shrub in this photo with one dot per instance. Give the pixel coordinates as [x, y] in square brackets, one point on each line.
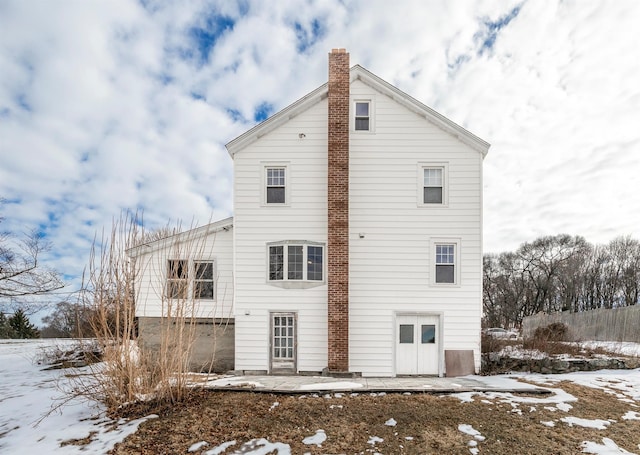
[129, 373]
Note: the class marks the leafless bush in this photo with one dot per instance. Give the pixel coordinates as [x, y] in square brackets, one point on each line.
[129, 373]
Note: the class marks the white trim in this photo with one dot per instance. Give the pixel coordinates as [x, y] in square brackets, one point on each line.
[439, 335]
[190, 278]
[264, 165]
[358, 72]
[457, 242]
[371, 100]
[303, 283]
[422, 165]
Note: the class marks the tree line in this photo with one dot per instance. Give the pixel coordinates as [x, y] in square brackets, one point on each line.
[559, 273]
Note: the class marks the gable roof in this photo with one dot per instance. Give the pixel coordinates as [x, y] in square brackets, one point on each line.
[357, 72]
[176, 239]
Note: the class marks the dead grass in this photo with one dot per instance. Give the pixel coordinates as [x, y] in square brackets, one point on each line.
[432, 421]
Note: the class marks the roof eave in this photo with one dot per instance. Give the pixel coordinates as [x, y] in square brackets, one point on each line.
[277, 119]
[172, 240]
[467, 137]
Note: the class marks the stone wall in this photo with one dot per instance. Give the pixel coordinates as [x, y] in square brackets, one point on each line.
[492, 363]
[214, 345]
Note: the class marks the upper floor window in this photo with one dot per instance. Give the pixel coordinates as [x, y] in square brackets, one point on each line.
[432, 184]
[195, 278]
[362, 120]
[276, 185]
[445, 263]
[296, 262]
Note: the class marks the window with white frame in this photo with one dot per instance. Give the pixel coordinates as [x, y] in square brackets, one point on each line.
[296, 262]
[363, 116]
[432, 184]
[445, 263]
[275, 185]
[194, 278]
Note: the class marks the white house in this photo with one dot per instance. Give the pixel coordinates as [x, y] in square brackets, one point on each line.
[356, 237]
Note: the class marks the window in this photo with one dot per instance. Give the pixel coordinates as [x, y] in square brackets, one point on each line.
[428, 333]
[362, 116]
[296, 262]
[276, 185]
[179, 284]
[433, 184]
[203, 284]
[445, 264]
[406, 333]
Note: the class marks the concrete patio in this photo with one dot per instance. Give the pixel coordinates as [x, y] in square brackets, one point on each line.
[327, 384]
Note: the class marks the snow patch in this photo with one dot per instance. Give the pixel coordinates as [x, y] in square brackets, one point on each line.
[597, 424]
[631, 415]
[221, 448]
[373, 440]
[197, 446]
[316, 439]
[608, 447]
[391, 422]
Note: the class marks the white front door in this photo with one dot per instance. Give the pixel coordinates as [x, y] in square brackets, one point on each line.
[417, 344]
[283, 343]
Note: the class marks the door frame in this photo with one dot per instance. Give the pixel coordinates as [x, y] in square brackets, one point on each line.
[276, 370]
[439, 336]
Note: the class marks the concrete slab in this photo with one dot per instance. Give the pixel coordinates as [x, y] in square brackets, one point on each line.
[327, 384]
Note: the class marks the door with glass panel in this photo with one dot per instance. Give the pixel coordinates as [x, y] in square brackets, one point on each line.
[283, 343]
[417, 345]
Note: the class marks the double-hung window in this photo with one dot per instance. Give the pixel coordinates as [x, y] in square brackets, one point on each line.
[363, 117]
[177, 278]
[432, 184]
[276, 185]
[445, 263]
[190, 278]
[296, 262]
[203, 284]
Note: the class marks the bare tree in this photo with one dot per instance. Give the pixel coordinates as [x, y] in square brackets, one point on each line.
[22, 273]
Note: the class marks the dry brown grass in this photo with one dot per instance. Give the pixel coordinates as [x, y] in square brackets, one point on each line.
[432, 421]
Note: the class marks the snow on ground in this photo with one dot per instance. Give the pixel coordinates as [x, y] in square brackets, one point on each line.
[28, 393]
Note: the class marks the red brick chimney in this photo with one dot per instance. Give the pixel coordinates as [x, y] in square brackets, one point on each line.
[338, 212]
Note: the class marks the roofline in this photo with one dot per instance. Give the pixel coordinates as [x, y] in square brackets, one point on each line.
[191, 234]
[357, 72]
[277, 119]
[366, 76]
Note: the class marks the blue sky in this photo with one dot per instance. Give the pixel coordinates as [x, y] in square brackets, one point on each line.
[112, 105]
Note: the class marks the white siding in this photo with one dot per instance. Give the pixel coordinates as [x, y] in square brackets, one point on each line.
[303, 218]
[152, 270]
[391, 266]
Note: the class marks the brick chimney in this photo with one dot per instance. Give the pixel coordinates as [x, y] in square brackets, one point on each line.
[338, 212]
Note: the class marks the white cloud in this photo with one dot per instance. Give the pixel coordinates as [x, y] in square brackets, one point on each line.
[102, 109]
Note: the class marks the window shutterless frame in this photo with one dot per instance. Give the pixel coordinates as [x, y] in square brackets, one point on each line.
[189, 278]
[432, 184]
[444, 258]
[275, 183]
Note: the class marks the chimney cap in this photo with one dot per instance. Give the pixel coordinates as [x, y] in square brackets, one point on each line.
[340, 50]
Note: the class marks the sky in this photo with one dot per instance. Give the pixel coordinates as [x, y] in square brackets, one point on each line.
[126, 105]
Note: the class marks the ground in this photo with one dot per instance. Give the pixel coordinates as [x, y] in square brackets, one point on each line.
[595, 412]
[424, 424]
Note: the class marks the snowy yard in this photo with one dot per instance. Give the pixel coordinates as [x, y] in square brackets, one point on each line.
[27, 394]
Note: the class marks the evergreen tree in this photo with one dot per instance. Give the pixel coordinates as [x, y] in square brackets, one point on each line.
[22, 327]
[5, 329]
